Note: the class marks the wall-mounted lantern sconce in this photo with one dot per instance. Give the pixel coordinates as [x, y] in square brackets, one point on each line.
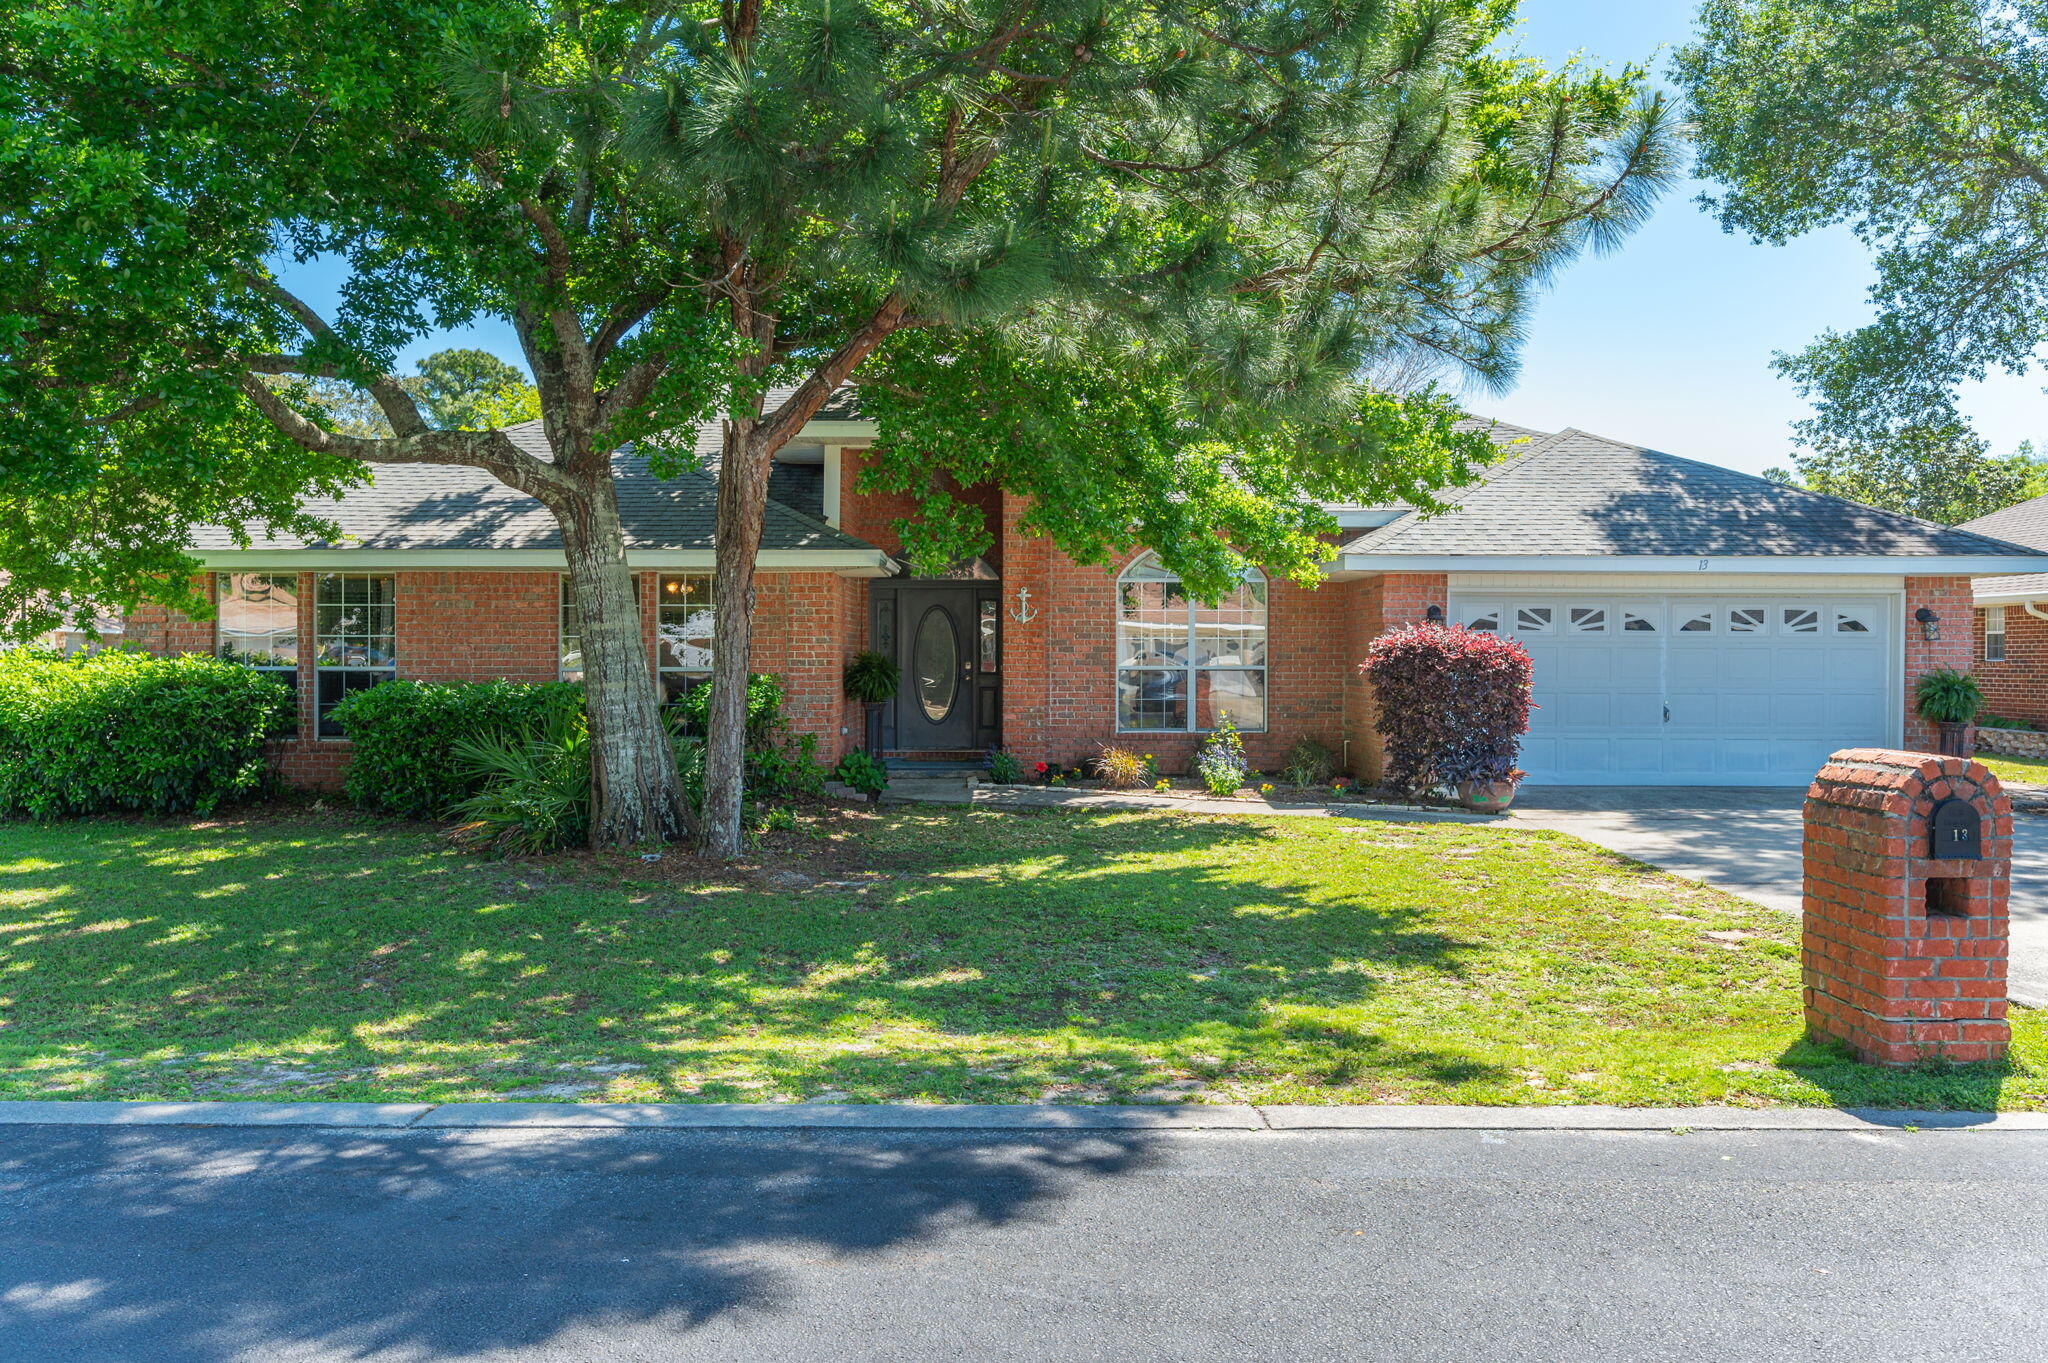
[1930, 623]
[1435, 615]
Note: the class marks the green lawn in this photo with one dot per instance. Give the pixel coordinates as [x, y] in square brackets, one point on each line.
[2024, 770]
[988, 956]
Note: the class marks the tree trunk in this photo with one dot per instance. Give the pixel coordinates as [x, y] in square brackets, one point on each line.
[634, 794]
[742, 504]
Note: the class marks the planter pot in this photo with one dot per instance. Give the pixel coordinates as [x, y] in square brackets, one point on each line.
[1486, 797]
[872, 727]
[1956, 740]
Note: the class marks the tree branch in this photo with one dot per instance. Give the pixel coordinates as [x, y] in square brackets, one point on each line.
[487, 450]
[397, 405]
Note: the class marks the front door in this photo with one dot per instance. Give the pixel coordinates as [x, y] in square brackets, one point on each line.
[942, 636]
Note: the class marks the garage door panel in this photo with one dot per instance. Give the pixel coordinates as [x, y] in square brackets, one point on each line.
[1760, 704]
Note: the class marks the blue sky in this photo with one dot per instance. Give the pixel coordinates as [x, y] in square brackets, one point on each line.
[1666, 342]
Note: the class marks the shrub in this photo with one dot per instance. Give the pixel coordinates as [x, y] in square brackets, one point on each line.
[1309, 763]
[1986, 719]
[405, 734]
[1220, 760]
[777, 765]
[536, 786]
[1120, 768]
[861, 771]
[1946, 696]
[1003, 767]
[120, 730]
[1453, 704]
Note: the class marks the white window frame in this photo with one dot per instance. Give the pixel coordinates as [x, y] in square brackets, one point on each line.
[568, 629]
[693, 676]
[1147, 568]
[1994, 629]
[382, 671]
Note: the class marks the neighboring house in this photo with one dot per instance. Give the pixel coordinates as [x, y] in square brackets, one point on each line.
[1690, 625]
[2012, 619]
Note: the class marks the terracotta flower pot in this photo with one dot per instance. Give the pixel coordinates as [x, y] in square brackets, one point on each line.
[1487, 797]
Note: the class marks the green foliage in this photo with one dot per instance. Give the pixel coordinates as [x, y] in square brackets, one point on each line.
[120, 731]
[1939, 474]
[1003, 767]
[1220, 762]
[1987, 720]
[863, 772]
[1948, 696]
[1923, 126]
[777, 764]
[872, 677]
[457, 390]
[1309, 763]
[1120, 768]
[1244, 232]
[534, 794]
[405, 737]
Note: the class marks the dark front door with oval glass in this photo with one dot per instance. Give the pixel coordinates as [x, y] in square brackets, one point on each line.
[943, 637]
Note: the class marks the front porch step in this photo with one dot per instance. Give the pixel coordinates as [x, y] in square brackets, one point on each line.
[932, 787]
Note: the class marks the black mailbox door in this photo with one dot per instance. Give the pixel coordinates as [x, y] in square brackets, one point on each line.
[1956, 832]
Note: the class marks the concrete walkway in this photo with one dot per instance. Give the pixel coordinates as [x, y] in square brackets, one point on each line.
[1747, 842]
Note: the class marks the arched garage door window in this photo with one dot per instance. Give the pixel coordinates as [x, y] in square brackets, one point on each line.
[1181, 664]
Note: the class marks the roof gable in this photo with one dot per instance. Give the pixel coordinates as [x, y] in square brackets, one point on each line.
[453, 506]
[2024, 523]
[1575, 493]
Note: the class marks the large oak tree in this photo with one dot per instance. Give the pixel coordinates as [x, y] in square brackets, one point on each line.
[1128, 257]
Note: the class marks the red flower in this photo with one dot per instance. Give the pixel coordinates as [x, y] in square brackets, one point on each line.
[1041, 768]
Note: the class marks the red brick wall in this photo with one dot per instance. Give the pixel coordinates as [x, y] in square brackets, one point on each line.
[483, 625]
[1059, 668]
[1385, 602]
[2018, 687]
[1955, 608]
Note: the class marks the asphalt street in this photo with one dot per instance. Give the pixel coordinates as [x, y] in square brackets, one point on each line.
[191, 1245]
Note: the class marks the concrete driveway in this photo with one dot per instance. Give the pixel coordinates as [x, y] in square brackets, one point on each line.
[1746, 841]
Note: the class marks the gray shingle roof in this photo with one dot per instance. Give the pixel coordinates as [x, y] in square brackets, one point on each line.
[2025, 523]
[437, 506]
[2019, 584]
[1505, 434]
[1574, 493]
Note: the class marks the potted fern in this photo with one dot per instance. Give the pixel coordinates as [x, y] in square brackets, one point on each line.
[872, 679]
[1950, 700]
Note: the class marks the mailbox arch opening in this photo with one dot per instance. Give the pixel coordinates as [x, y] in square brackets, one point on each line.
[1948, 897]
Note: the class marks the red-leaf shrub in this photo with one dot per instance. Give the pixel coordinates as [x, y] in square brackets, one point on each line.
[1453, 704]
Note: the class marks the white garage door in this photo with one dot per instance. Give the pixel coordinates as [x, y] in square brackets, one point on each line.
[1681, 690]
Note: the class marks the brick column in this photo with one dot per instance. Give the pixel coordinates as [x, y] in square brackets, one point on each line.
[1955, 609]
[1905, 952]
[1386, 602]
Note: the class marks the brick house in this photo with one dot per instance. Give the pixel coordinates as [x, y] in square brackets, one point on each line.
[1690, 624]
[2012, 619]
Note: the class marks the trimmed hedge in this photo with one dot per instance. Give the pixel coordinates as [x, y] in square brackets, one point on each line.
[1453, 705]
[404, 737]
[126, 731]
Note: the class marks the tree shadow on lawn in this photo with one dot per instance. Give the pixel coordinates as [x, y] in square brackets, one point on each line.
[1078, 949]
[260, 1243]
[1932, 1086]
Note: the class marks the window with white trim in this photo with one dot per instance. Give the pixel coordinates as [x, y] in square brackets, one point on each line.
[355, 619]
[571, 635]
[256, 622]
[1182, 665]
[684, 617]
[1994, 634]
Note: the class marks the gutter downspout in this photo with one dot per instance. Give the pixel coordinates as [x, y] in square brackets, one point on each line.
[2033, 609]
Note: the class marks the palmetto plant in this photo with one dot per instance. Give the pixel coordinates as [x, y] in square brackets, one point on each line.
[538, 794]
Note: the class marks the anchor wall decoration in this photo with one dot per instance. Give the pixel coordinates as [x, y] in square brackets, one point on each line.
[1022, 612]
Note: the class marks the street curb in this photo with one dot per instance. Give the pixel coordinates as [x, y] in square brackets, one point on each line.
[1047, 1118]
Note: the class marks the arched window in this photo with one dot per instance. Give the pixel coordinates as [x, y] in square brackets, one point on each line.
[1181, 664]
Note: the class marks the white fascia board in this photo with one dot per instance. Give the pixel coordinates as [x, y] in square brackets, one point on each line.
[1367, 517]
[837, 430]
[1902, 565]
[2009, 598]
[846, 562]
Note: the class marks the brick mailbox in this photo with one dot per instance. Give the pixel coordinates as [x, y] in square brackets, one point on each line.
[1907, 858]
